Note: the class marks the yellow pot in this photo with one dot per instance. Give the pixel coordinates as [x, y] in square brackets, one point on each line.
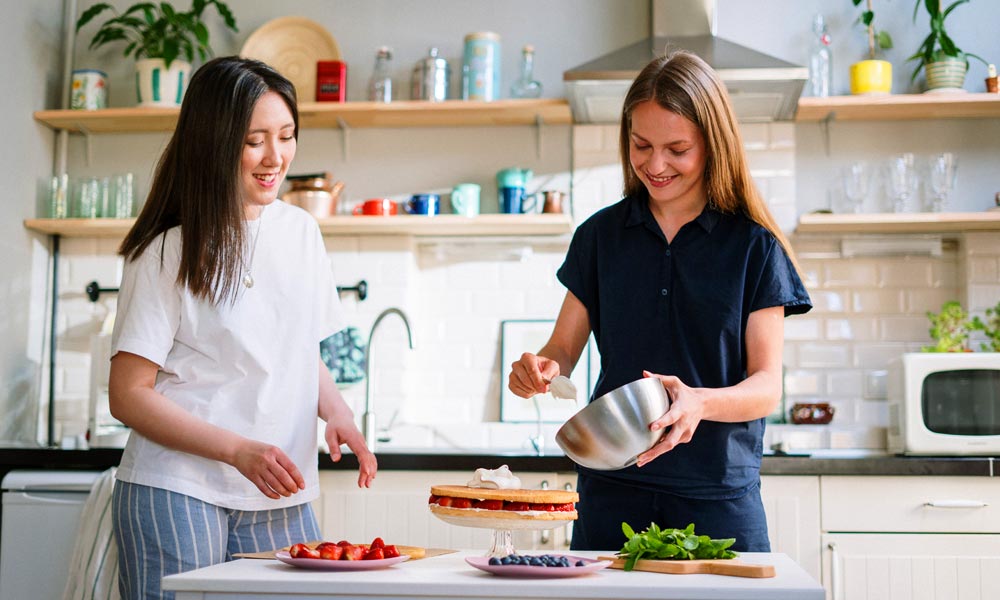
[871, 77]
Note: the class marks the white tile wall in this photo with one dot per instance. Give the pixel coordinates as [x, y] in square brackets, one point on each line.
[456, 293]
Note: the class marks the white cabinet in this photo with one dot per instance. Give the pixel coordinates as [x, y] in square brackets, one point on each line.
[395, 508]
[791, 504]
[900, 566]
[911, 538]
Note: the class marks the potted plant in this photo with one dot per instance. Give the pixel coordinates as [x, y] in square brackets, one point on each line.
[159, 37]
[872, 76]
[950, 329]
[990, 327]
[944, 63]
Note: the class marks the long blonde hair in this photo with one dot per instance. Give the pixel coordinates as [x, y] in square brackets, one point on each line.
[684, 84]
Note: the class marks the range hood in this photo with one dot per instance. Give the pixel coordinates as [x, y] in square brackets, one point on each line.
[762, 88]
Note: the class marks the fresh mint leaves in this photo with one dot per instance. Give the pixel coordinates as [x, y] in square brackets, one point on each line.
[671, 544]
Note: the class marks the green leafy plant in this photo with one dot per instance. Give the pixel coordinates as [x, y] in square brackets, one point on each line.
[876, 39]
[671, 544]
[938, 45]
[153, 30]
[949, 328]
[991, 327]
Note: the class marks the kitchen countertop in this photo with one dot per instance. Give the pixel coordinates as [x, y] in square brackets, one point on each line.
[449, 576]
[820, 463]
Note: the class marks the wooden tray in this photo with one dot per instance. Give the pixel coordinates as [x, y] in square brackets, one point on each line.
[731, 567]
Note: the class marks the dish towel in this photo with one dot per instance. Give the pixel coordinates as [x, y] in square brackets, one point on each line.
[93, 568]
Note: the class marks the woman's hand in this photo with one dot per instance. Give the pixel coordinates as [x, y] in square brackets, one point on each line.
[685, 413]
[343, 431]
[530, 374]
[268, 468]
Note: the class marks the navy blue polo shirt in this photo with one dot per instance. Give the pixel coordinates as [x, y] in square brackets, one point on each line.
[681, 309]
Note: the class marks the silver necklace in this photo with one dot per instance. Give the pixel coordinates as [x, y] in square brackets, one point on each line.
[247, 275]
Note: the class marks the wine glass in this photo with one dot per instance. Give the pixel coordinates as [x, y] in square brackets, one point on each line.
[943, 168]
[856, 185]
[900, 181]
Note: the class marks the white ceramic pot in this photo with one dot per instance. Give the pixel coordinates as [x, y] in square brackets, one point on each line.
[157, 85]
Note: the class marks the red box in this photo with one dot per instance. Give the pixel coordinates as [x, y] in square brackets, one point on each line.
[331, 81]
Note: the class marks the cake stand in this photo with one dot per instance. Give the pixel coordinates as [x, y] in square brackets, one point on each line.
[502, 522]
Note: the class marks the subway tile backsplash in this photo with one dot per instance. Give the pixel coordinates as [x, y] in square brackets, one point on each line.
[867, 310]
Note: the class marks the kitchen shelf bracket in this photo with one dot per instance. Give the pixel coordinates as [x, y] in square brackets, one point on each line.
[345, 131]
[825, 127]
[539, 121]
[88, 143]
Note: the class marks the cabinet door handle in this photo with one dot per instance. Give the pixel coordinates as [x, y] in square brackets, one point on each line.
[834, 571]
[544, 536]
[956, 504]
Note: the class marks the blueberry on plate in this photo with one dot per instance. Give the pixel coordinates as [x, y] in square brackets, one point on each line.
[494, 561]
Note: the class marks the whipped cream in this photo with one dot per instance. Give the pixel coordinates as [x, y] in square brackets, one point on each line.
[495, 479]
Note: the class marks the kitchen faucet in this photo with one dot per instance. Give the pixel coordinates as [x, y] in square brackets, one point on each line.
[368, 418]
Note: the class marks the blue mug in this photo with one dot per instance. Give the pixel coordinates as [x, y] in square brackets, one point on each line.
[423, 204]
[514, 201]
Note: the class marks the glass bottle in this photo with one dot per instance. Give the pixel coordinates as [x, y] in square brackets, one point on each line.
[525, 86]
[820, 67]
[380, 85]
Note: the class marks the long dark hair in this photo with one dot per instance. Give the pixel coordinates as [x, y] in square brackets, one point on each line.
[197, 182]
[686, 85]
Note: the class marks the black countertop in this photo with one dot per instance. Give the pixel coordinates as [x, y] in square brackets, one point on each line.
[823, 464]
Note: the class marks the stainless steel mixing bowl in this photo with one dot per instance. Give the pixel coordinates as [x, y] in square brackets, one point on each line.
[613, 430]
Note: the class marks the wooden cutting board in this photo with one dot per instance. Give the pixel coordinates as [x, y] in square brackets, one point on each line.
[730, 567]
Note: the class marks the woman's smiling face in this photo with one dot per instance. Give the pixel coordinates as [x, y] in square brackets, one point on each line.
[668, 154]
[268, 150]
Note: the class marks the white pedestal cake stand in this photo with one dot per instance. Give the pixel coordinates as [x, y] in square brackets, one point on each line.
[503, 524]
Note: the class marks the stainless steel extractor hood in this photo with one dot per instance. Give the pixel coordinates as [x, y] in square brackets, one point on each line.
[762, 88]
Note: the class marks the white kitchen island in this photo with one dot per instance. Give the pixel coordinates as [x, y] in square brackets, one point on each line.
[449, 576]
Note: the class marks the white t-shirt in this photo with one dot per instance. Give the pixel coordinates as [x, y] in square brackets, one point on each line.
[250, 367]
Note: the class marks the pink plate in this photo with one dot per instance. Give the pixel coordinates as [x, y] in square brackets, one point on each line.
[483, 563]
[323, 564]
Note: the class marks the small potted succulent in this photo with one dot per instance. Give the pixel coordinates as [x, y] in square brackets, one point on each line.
[944, 63]
[163, 41]
[872, 76]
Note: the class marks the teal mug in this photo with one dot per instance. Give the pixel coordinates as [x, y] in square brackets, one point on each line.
[465, 199]
[513, 177]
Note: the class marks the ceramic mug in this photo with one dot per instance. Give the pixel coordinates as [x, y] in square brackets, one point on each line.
[514, 201]
[554, 201]
[465, 199]
[378, 207]
[423, 204]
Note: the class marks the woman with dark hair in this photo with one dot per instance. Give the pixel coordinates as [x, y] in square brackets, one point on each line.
[686, 279]
[215, 365]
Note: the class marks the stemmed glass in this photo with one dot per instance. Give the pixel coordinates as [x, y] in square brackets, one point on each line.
[856, 185]
[900, 181]
[943, 168]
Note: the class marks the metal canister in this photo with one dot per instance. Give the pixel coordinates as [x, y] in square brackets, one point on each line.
[431, 78]
[481, 66]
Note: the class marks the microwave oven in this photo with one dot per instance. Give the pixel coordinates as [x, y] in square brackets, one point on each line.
[944, 404]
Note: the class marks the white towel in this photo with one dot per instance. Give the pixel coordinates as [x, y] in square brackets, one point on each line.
[93, 568]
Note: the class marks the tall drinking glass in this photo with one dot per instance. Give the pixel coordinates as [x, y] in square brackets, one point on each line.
[856, 179]
[901, 181]
[941, 179]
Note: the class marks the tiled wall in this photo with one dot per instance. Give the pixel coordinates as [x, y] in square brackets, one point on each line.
[456, 292]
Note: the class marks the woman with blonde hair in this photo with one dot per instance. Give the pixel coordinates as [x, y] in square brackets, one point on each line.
[686, 279]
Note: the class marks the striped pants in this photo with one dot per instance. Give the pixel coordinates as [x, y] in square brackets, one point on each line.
[161, 533]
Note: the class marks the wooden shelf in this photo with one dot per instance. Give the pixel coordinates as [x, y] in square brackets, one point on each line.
[439, 225]
[900, 223]
[899, 107]
[450, 113]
